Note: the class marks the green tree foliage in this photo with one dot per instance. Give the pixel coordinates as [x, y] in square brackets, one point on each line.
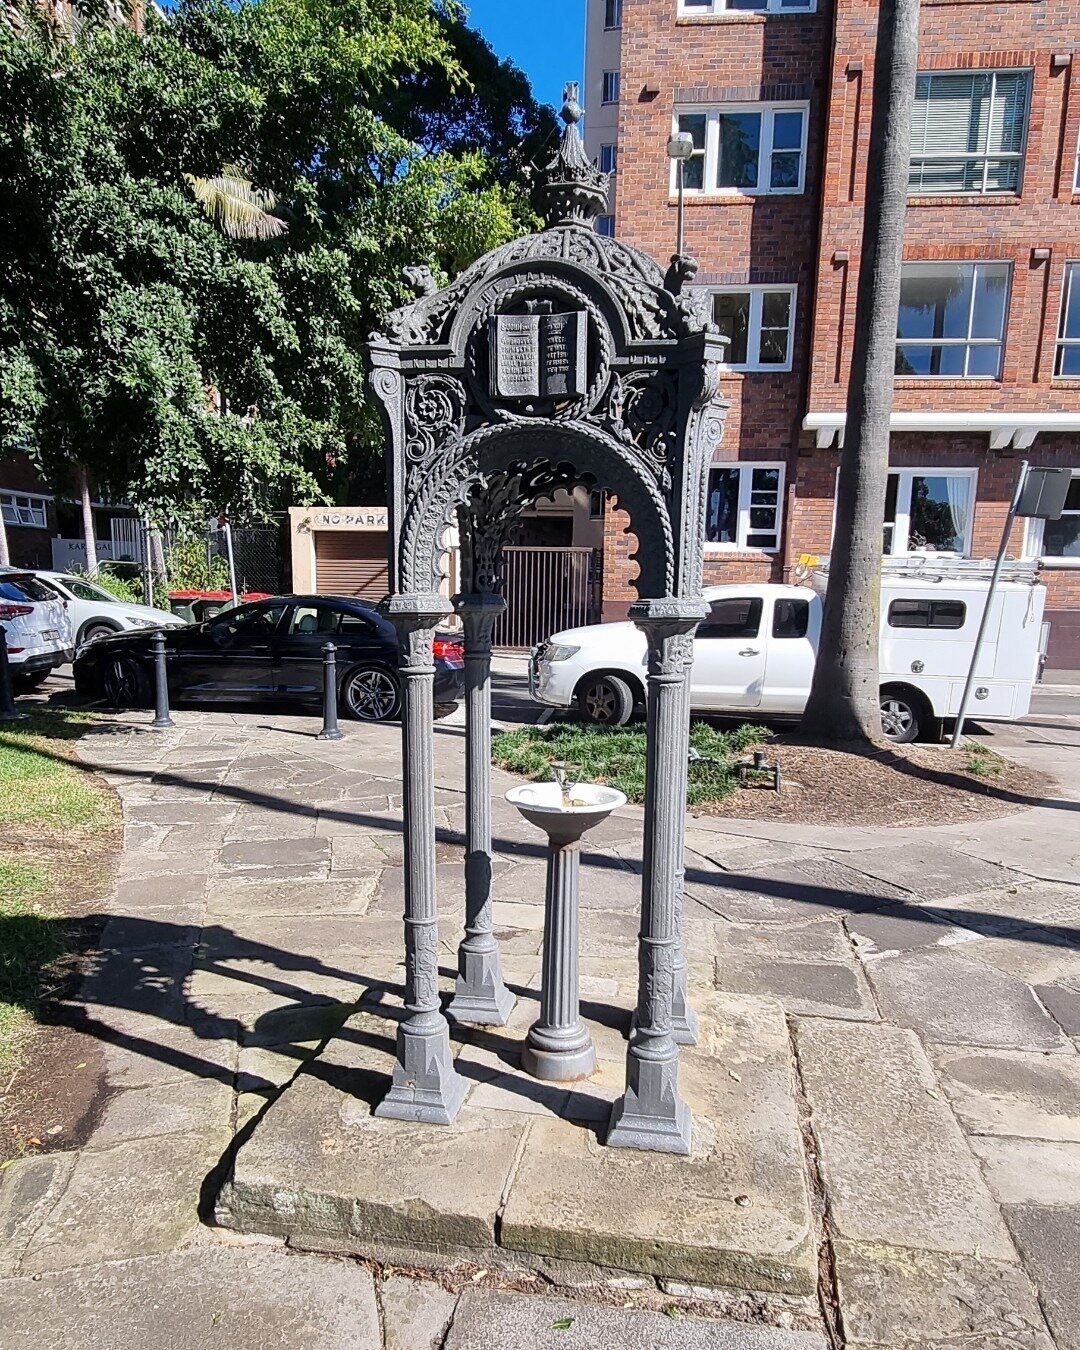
[199, 226]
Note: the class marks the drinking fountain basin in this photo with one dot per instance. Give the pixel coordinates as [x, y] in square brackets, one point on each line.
[565, 812]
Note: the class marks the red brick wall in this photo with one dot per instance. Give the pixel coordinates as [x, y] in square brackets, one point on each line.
[794, 240]
[959, 34]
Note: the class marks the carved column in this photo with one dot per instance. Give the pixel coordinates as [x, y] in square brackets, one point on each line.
[684, 1020]
[480, 994]
[650, 1114]
[425, 1086]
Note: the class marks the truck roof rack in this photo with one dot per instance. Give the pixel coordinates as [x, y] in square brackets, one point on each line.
[940, 567]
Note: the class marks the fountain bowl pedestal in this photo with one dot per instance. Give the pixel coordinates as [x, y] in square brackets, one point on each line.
[558, 1047]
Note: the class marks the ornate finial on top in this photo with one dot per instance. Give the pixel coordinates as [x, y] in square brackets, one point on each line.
[571, 190]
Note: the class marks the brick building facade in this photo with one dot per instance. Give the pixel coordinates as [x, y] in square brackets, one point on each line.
[776, 95]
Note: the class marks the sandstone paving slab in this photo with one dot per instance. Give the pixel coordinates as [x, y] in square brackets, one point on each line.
[235, 995]
[320, 1167]
[227, 899]
[1037, 955]
[895, 1297]
[812, 889]
[1030, 1171]
[822, 988]
[896, 1166]
[185, 1107]
[149, 981]
[899, 928]
[277, 860]
[415, 1313]
[1062, 1001]
[251, 824]
[144, 1051]
[494, 1320]
[946, 998]
[931, 873]
[1049, 1240]
[29, 1188]
[178, 926]
[818, 940]
[189, 1301]
[1011, 1092]
[1033, 843]
[677, 1216]
[139, 869]
[324, 938]
[210, 814]
[137, 1199]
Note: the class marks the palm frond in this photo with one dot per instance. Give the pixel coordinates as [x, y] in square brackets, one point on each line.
[240, 210]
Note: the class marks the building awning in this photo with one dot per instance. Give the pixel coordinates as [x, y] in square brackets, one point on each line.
[1006, 431]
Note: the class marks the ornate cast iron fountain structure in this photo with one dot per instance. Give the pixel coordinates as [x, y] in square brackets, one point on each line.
[559, 359]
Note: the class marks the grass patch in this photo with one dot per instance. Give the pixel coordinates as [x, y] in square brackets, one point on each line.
[40, 786]
[31, 939]
[983, 763]
[616, 756]
[52, 810]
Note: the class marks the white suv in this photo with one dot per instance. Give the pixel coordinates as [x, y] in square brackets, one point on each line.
[37, 627]
[95, 613]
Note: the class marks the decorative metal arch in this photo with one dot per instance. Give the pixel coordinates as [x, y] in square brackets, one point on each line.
[562, 357]
[506, 451]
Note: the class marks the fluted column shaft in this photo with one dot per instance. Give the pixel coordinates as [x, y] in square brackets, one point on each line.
[480, 994]
[559, 1046]
[650, 1114]
[425, 1085]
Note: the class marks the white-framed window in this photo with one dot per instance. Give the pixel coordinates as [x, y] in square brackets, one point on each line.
[612, 13]
[968, 130]
[744, 506]
[605, 225]
[952, 319]
[759, 324]
[609, 158]
[747, 149]
[609, 89]
[929, 511]
[26, 509]
[1067, 359]
[1057, 538]
[747, 6]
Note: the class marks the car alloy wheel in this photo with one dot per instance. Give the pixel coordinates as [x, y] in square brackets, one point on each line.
[371, 695]
[120, 683]
[898, 720]
[607, 701]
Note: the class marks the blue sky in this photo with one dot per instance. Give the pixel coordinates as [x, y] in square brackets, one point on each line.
[545, 38]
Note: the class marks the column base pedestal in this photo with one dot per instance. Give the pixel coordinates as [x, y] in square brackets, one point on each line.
[425, 1088]
[631, 1127]
[559, 1066]
[480, 996]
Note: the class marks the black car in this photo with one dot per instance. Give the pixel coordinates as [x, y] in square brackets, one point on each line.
[269, 649]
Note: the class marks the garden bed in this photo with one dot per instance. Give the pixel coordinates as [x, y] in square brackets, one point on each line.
[60, 838]
[821, 785]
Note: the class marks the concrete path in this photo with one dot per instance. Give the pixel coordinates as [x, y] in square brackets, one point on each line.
[930, 982]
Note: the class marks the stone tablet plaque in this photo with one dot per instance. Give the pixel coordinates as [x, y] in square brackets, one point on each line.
[538, 355]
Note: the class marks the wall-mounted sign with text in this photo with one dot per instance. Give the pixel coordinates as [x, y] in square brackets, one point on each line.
[347, 518]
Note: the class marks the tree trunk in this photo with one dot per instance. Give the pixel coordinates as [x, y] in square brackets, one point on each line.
[89, 537]
[843, 703]
[157, 559]
[5, 552]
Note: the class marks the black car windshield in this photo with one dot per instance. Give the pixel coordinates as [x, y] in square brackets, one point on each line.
[25, 588]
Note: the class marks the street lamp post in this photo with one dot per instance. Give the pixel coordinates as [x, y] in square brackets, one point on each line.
[680, 148]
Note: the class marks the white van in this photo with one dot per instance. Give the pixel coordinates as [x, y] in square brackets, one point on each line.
[754, 653]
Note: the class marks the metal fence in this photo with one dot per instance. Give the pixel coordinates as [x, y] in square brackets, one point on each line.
[546, 590]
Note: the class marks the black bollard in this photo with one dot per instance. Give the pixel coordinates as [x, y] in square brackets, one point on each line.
[162, 721]
[8, 710]
[330, 729]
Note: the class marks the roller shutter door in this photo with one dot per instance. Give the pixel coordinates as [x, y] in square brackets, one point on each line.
[351, 562]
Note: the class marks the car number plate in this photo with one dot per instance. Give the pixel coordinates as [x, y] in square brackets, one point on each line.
[49, 634]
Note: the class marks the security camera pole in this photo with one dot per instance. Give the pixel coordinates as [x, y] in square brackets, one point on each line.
[681, 148]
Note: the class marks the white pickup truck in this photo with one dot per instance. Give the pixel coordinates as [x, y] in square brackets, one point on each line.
[754, 653]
